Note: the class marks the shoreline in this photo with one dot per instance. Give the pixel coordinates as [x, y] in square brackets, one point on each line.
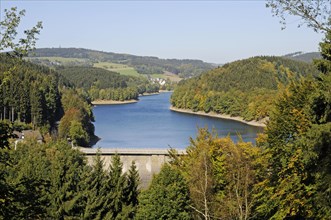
[148, 94]
[215, 115]
[154, 93]
[113, 102]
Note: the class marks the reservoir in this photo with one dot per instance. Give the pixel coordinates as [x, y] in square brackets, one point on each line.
[150, 124]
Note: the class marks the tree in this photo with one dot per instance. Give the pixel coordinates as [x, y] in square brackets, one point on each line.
[235, 175]
[131, 193]
[66, 176]
[324, 65]
[95, 191]
[166, 198]
[8, 33]
[6, 132]
[115, 185]
[297, 143]
[220, 175]
[315, 14]
[77, 134]
[8, 27]
[26, 178]
[198, 170]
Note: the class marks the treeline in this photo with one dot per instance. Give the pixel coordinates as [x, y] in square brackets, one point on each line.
[104, 84]
[42, 99]
[243, 88]
[85, 77]
[183, 68]
[120, 94]
[143, 64]
[29, 93]
[54, 181]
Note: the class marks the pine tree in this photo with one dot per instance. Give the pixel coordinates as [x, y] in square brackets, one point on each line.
[116, 183]
[95, 191]
[131, 193]
[67, 167]
[166, 198]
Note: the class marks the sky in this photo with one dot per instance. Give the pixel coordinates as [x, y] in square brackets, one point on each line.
[212, 31]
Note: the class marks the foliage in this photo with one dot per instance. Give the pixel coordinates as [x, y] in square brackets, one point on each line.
[76, 123]
[296, 149]
[29, 93]
[8, 33]
[315, 14]
[95, 191]
[53, 181]
[6, 132]
[166, 198]
[324, 65]
[243, 88]
[43, 179]
[105, 85]
[131, 193]
[220, 175]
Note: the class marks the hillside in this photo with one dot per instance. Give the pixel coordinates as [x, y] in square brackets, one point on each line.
[142, 64]
[106, 85]
[305, 57]
[244, 88]
[38, 97]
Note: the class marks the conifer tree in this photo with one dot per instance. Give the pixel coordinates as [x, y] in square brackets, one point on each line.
[131, 193]
[95, 191]
[166, 198]
[67, 166]
[115, 185]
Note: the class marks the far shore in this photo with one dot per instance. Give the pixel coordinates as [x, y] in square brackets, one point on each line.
[113, 102]
[154, 93]
[215, 115]
[149, 93]
[162, 91]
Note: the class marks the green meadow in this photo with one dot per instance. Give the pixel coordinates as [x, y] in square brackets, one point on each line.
[119, 68]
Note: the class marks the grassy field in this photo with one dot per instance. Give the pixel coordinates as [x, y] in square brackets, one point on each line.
[116, 67]
[62, 60]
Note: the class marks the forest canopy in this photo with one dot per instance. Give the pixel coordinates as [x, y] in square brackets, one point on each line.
[243, 88]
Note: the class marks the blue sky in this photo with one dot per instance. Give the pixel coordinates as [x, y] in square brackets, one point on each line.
[213, 31]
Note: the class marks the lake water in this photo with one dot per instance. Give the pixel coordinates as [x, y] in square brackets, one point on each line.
[150, 124]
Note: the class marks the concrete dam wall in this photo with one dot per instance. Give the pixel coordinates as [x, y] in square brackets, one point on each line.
[148, 161]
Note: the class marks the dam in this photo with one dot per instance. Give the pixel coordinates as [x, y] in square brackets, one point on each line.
[148, 161]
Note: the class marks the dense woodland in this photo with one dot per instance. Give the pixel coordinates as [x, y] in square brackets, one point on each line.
[53, 181]
[29, 93]
[144, 65]
[37, 97]
[104, 84]
[243, 88]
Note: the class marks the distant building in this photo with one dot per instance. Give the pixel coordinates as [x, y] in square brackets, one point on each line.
[28, 134]
[160, 81]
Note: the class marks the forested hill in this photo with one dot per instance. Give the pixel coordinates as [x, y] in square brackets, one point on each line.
[103, 84]
[243, 88]
[38, 97]
[305, 57]
[142, 64]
